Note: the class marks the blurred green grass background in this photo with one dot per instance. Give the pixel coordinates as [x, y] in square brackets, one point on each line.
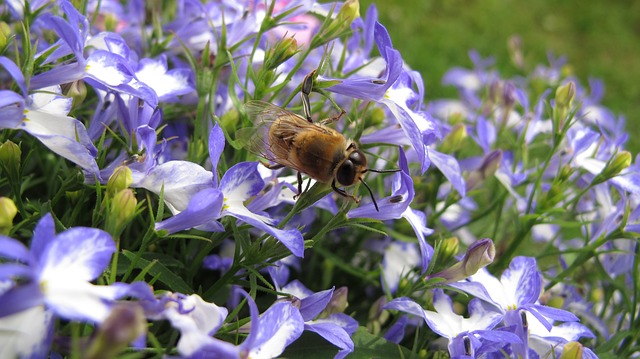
[601, 39]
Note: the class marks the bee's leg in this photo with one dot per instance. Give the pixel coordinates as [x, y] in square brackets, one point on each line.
[270, 166]
[305, 90]
[342, 192]
[334, 118]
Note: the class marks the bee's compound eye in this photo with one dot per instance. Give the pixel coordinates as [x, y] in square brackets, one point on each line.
[346, 173]
[357, 158]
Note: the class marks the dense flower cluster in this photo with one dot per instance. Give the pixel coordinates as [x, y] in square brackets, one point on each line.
[146, 101]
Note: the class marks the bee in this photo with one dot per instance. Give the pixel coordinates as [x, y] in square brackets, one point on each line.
[320, 152]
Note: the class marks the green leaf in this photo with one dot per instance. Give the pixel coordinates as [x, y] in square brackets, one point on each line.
[163, 274]
[368, 345]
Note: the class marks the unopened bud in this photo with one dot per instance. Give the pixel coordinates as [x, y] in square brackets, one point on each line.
[491, 163]
[572, 350]
[338, 302]
[10, 154]
[508, 94]
[125, 324]
[565, 94]
[448, 248]
[121, 179]
[280, 52]
[77, 90]
[229, 121]
[479, 255]
[349, 11]
[338, 26]
[489, 166]
[8, 212]
[453, 141]
[5, 34]
[617, 164]
[123, 209]
[515, 51]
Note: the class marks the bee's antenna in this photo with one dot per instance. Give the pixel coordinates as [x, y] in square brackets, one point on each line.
[371, 193]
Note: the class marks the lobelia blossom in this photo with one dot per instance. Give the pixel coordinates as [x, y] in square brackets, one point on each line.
[336, 328]
[55, 275]
[197, 199]
[44, 115]
[197, 320]
[397, 206]
[464, 334]
[516, 292]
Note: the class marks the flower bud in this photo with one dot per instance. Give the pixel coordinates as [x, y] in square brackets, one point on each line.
[8, 212]
[508, 94]
[77, 90]
[334, 28]
[515, 51]
[125, 323]
[616, 164]
[338, 302]
[480, 254]
[123, 209]
[565, 94]
[489, 166]
[453, 141]
[121, 179]
[572, 350]
[448, 248]
[5, 34]
[229, 121]
[491, 163]
[10, 155]
[280, 52]
[349, 11]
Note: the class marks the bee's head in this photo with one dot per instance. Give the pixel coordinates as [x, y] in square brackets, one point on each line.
[352, 168]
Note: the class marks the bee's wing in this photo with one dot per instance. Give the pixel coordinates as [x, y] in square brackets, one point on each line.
[264, 115]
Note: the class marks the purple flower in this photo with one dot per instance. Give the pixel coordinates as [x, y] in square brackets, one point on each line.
[269, 334]
[518, 290]
[457, 329]
[44, 116]
[197, 199]
[55, 275]
[397, 206]
[336, 328]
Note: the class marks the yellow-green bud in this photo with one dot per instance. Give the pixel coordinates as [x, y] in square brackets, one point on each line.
[10, 155]
[123, 208]
[280, 52]
[229, 121]
[617, 164]
[349, 11]
[453, 141]
[77, 90]
[565, 94]
[125, 323]
[571, 350]
[448, 248]
[121, 179]
[8, 212]
[5, 34]
[335, 28]
[556, 302]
